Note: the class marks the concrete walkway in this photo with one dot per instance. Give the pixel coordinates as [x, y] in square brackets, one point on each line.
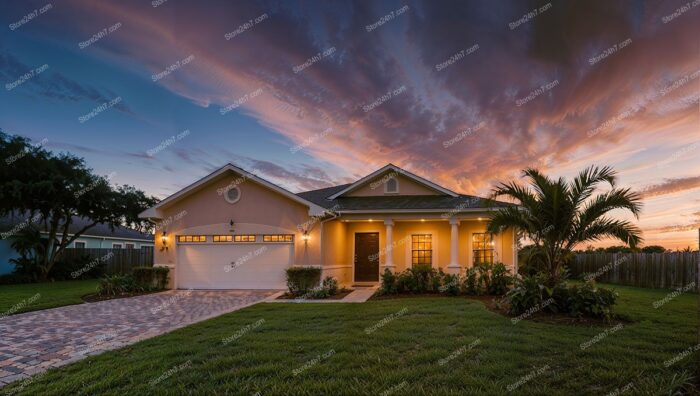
[36, 341]
[359, 295]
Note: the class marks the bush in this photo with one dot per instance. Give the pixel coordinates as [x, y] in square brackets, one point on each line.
[589, 300]
[470, 285]
[585, 300]
[114, 285]
[451, 285]
[301, 280]
[388, 285]
[151, 278]
[330, 284]
[500, 279]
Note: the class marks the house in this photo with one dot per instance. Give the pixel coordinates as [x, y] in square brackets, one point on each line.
[100, 236]
[233, 229]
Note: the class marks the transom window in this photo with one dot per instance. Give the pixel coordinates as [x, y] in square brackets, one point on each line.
[223, 238]
[244, 238]
[391, 185]
[422, 249]
[191, 238]
[278, 238]
[482, 246]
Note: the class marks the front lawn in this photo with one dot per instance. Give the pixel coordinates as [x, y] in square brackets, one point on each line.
[416, 346]
[15, 299]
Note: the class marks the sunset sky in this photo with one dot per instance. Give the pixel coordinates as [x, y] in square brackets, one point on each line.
[309, 94]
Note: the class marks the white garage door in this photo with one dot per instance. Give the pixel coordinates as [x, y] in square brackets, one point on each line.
[234, 266]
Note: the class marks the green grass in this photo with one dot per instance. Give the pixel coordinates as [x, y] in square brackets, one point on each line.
[403, 355]
[23, 298]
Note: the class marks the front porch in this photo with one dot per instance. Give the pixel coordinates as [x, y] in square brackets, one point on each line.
[357, 248]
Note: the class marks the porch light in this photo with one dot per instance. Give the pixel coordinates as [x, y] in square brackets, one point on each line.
[370, 220]
[423, 220]
[306, 236]
[164, 241]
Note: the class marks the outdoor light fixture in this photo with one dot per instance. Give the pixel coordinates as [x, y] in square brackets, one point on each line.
[423, 220]
[231, 223]
[306, 236]
[164, 241]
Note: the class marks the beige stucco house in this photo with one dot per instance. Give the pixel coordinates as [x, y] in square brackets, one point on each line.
[235, 230]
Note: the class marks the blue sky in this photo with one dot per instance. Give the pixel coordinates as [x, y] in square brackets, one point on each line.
[355, 85]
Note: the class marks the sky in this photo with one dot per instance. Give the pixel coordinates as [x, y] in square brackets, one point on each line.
[309, 94]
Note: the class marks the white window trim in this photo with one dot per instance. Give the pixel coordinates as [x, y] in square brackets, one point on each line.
[228, 199]
[471, 247]
[386, 184]
[81, 241]
[121, 245]
[409, 248]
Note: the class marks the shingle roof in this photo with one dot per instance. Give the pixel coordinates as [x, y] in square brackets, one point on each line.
[100, 230]
[396, 202]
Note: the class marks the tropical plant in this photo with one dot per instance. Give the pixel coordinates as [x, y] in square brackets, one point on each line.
[653, 249]
[557, 215]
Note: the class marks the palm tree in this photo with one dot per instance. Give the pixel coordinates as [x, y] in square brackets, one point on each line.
[557, 215]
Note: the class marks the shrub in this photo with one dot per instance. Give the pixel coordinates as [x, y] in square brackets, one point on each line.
[470, 285]
[423, 275]
[301, 280]
[388, 282]
[529, 292]
[151, 278]
[114, 285]
[331, 285]
[589, 300]
[451, 285]
[484, 277]
[500, 279]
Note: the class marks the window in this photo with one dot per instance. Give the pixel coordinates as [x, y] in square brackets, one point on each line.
[232, 195]
[223, 238]
[191, 238]
[116, 246]
[422, 249]
[482, 245]
[79, 245]
[244, 238]
[391, 185]
[278, 238]
[128, 245]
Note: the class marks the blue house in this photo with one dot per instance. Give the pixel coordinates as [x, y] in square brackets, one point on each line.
[97, 237]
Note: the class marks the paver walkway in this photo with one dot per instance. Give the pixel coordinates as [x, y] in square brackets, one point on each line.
[35, 341]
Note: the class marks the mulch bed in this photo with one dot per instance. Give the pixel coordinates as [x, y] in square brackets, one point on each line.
[492, 304]
[94, 297]
[338, 296]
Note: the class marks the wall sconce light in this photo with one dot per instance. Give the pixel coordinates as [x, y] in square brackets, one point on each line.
[164, 241]
[231, 223]
[306, 236]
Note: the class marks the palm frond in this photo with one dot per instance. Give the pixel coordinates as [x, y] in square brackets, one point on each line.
[585, 183]
[605, 227]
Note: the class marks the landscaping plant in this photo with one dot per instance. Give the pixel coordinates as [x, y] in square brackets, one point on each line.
[302, 280]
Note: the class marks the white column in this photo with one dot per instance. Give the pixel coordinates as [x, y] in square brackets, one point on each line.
[389, 245]
[453, 267]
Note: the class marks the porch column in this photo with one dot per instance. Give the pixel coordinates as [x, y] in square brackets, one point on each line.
[453, 267]
[389, 245]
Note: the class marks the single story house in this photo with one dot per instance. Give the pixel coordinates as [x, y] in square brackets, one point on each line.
[100, 236]
[233, 229]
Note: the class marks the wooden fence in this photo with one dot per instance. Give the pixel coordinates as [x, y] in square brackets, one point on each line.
[652, 270]
[116, 261]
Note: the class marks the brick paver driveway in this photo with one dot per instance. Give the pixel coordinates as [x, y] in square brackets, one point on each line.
[35, 341]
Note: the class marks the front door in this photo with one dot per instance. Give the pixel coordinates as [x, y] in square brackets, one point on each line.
[367, 257]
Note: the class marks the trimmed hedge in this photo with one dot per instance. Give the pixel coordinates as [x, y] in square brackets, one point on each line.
[151, 278]
[302, 280]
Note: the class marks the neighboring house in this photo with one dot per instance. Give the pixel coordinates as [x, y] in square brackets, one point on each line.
[97, 237]
[232, 229]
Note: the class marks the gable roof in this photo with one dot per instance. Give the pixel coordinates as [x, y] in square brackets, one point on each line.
[400, 202]
[153, 211]
[398, 170]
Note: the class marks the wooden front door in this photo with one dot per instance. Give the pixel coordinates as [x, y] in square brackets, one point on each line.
[367, 257]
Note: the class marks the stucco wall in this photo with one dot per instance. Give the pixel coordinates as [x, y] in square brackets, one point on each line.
[406, 187]
[258, 211]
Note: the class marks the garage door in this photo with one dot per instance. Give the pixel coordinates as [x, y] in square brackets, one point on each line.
[234, 266]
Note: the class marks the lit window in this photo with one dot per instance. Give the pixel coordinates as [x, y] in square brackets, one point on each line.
[278, 238]
[223, 238]
[422, 249]
[191, 238]
[244, 238]
[482, 246]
